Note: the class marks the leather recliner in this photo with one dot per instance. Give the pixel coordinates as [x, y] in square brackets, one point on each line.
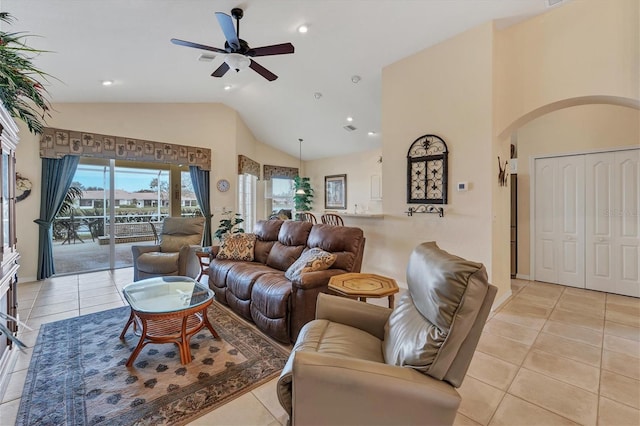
[361, 364]
[175, 254]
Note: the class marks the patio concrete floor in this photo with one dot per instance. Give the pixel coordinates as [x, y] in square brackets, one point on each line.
[90, 256]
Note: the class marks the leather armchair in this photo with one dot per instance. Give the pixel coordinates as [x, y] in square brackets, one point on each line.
[175, 254]
[361, 364]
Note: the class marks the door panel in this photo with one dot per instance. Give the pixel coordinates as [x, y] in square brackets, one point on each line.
[612, 222]
[545, 232]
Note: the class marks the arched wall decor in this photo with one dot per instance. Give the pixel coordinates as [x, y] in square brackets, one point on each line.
[427, 171]
[56, 143]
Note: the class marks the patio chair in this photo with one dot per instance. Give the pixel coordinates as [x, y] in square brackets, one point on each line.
[175, 254]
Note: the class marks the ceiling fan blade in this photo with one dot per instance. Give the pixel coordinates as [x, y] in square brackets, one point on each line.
[226, 23]
[276, 49]
[262, 71]
[196, 45]
[221, 70]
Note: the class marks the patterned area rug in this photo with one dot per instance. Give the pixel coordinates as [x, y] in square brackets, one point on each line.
[78, 376]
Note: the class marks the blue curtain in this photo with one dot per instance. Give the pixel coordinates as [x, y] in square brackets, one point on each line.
[57, 175]
[200, 180]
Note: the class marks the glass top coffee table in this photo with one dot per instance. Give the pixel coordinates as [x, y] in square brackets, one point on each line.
[167, 310]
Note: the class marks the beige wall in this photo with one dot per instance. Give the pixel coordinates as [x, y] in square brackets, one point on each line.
[573, 130]
[585, 48]
[214, 126]
[359, 168]
[445, 90]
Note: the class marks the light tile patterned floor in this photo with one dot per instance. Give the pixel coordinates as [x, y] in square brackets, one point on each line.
[550, 355]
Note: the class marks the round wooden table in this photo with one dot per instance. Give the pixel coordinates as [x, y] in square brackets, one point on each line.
[167, 310]
[362, 286]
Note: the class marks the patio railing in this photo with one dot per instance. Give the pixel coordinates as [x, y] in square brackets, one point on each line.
[127, 229]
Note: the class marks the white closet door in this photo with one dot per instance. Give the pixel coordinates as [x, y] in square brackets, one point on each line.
[559, 220]
[613, 222]
[546, 268]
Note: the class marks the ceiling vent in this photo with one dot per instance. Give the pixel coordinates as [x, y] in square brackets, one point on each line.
[206, 57]
[551, 3]
[349, 128]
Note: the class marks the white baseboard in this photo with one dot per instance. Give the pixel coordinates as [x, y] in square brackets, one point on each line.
[22, 279]
[498, 302]
[523, 277]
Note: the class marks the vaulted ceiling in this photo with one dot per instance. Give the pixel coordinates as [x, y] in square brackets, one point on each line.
[128, 42]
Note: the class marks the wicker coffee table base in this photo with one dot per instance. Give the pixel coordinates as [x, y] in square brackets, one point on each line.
[173, 327]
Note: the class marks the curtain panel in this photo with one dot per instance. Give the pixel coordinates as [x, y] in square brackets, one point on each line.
[201, 185]
[57, 176]
[248, 166]
[56, 143]
[269, 172]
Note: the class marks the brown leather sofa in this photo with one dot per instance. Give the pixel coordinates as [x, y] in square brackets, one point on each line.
[361, 364]
[259, 290]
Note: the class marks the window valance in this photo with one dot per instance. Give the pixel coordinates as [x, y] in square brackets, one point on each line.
[56, 143]
[247, 165]
[279, 172]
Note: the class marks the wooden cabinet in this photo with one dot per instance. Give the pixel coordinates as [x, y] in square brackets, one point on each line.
[8, 251]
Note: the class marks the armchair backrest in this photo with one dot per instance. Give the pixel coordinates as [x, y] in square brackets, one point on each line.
[448, 301]
[181, 231]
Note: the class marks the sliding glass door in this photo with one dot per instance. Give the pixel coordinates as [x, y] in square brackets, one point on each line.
[97, 225]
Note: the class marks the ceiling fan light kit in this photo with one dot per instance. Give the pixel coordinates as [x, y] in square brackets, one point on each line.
[237, 52]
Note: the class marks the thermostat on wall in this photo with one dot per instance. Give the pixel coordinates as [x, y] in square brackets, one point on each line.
[462, 186]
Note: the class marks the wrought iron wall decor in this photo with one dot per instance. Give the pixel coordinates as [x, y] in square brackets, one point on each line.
[427, 171]
[425, 208]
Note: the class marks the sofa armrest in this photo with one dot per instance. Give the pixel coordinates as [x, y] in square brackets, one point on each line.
[328, 388]
[136, 251]
[189, 263]
[315, 279]
[364, 316]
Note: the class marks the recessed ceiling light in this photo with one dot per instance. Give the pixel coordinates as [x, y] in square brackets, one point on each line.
[317, 95]
[107, 82]
[302, 29]
[349, 119]
[355, 79]
[371, 133]
[228, 87]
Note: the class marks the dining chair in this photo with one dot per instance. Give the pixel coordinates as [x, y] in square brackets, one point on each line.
[332, 219]
[308, 217]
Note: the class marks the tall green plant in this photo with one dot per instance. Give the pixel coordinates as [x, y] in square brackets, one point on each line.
[21, 92]
[302, 202]
[229, 225]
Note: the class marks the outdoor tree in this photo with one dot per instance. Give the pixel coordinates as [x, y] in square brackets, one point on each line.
[164, 186]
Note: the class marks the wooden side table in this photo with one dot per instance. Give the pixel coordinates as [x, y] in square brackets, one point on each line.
[361, 286]
[203, 260]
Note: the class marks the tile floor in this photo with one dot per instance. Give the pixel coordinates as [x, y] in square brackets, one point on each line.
[549, 355]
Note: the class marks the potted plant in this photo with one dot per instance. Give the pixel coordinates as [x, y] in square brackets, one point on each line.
[303, 196]
[21, 93]
[229, 225]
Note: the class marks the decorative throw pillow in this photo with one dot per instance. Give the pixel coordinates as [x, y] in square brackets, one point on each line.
[311, 260]
[237, 247]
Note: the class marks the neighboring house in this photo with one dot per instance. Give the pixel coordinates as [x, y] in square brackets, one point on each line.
[95, 199]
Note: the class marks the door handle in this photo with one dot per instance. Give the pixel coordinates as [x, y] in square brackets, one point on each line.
[601, 240]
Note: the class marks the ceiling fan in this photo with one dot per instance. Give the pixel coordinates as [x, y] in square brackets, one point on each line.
[238, 52]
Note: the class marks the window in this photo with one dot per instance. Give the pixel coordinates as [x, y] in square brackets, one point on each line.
[282, 190]
[247, 200]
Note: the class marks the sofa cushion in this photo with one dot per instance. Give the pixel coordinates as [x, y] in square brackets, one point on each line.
[158, 263]
[266, 235]
[344, 242]
[237, 247]
[423, 332]
[294, 233]
[282, 256]
[314, 259]
[270, 305]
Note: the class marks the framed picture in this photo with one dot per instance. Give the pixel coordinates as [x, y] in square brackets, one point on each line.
[335, 192]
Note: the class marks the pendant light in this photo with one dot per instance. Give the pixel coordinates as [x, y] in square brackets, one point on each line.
[300, 191]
